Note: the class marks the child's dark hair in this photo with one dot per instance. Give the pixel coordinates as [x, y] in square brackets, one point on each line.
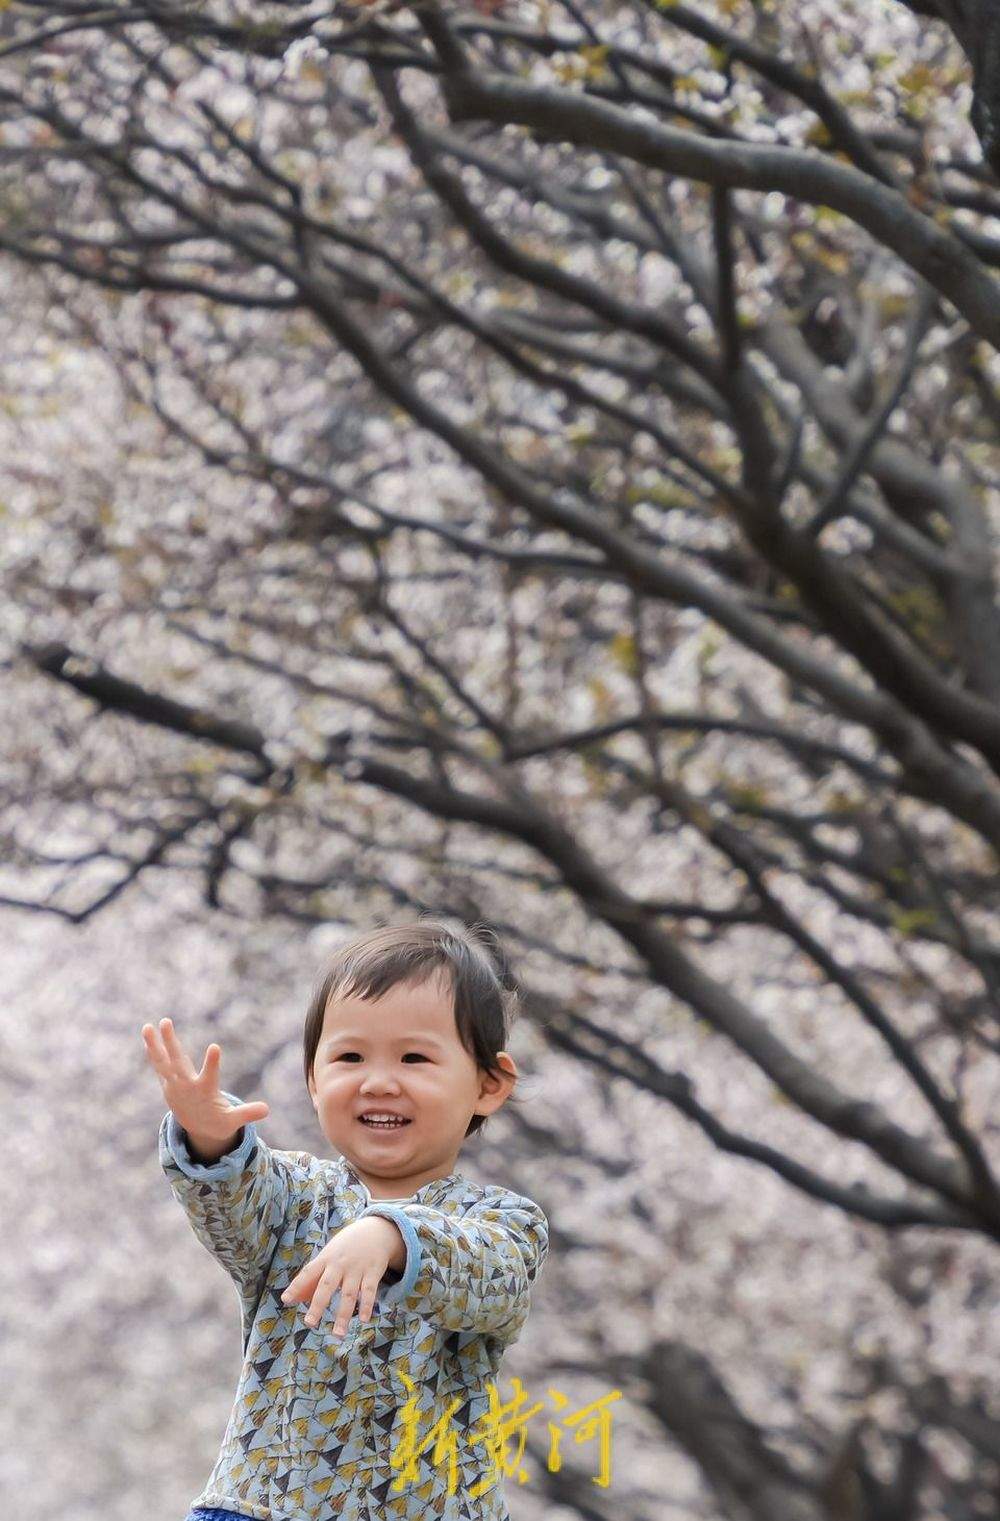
[470, 959]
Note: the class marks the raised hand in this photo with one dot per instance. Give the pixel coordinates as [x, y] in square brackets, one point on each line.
[194, 1098]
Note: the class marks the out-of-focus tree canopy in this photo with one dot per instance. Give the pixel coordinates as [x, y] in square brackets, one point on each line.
[976, 24]
[551, 475]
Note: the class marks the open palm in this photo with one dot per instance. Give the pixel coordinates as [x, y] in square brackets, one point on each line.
[195, 1098]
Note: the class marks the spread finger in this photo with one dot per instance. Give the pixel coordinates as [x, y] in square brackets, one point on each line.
[345, 1307]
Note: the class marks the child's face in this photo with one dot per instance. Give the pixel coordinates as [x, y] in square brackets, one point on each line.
[402, 1055]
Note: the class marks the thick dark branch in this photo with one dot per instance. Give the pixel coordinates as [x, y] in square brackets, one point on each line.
[562, 116]
[626, 62]
[112, 693]
[749, 1478]
[808, 88]
[729, 325]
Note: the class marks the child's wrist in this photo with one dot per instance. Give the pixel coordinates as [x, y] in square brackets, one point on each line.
[397, 1257]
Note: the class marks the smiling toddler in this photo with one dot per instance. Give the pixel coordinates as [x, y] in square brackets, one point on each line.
[378, 1291]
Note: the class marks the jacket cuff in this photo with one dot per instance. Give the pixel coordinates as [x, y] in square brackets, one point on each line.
[392, 1293]
[228, 1166]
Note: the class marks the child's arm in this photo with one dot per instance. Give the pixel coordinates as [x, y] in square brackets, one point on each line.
[472, 1271]
[235, 1203]
[236, 1206]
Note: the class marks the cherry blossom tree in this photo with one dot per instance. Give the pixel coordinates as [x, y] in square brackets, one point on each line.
[554, 480]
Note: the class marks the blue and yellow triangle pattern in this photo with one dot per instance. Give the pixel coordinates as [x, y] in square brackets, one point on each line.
[316, 1419]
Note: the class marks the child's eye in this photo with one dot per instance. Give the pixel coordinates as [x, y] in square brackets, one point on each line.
[344, 1054]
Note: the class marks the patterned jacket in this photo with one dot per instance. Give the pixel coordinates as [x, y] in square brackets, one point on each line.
[325, 1427]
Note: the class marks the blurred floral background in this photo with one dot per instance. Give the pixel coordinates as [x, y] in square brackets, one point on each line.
[534, 463]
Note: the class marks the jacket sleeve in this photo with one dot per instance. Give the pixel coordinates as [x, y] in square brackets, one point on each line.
[235, 1206]
[471, 1271]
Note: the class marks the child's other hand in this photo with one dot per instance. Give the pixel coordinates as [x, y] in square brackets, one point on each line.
[194, 1097]
[354, 1262]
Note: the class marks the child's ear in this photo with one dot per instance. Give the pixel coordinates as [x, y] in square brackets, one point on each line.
[494, 1091]
[508, 1064]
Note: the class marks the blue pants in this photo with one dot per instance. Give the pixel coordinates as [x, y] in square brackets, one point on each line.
[207, 1513]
